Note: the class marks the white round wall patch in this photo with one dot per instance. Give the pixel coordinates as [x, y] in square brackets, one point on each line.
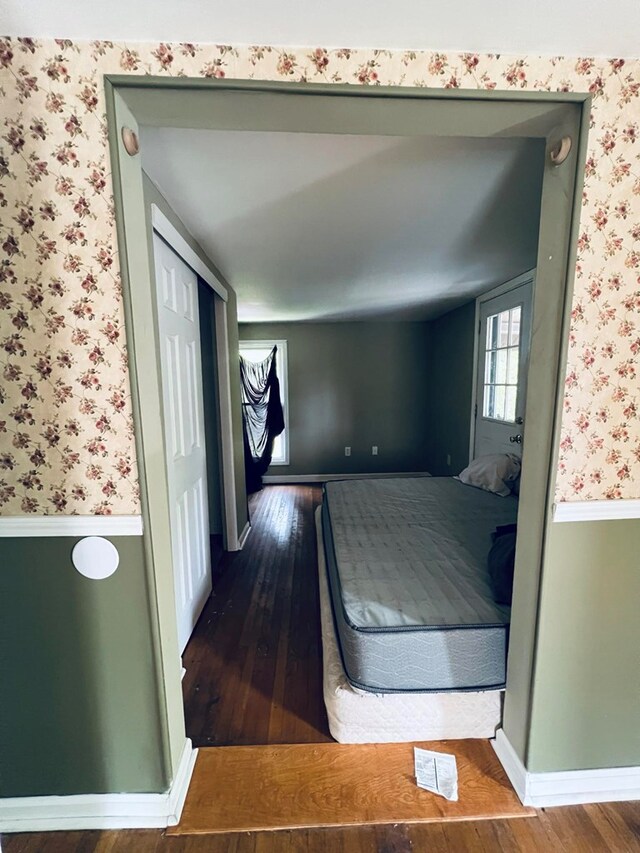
[95, 557]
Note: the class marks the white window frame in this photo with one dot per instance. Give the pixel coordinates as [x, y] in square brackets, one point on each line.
[505, 287]
[283, 377]
[495, 349]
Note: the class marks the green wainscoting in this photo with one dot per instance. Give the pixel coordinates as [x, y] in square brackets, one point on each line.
[586, 683]
[79, 703]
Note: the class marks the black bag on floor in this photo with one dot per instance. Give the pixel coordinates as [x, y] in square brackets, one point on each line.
[501, 562]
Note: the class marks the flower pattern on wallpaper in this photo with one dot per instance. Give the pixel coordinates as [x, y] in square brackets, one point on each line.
[66, 434]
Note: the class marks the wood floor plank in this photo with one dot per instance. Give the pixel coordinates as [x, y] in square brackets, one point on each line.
[277, 571]
[254, 663]
[542, 835]
[613, 828]
[629, 812]
[576, 831]
[503, 835]
[393, 838]
[433, 837]
[143, 841]
[470, 836]
[511, 836]
[311, 785]
[278, 710]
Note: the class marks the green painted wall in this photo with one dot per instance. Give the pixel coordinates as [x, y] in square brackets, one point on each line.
[451, 342]
[80, 708]
[403, 386]
[586, 686]
[152, 195]
[78, 699]
[353, 384]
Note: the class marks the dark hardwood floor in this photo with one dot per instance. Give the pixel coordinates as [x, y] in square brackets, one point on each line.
[254, 675]
[613, 828]
[254, 662]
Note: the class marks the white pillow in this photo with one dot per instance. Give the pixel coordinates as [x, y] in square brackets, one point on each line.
[494, 473]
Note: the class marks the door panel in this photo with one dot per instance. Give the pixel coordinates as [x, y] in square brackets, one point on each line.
[503, 361]
[173, 409]
[184, 430]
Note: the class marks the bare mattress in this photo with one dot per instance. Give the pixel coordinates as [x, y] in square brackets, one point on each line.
[407, 569]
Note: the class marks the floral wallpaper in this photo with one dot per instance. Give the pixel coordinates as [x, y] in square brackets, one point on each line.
[66, 434]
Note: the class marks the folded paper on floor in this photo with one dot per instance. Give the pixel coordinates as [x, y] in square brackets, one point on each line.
[436, 772]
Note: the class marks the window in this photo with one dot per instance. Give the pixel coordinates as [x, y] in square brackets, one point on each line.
[258, 351]
[501, 365]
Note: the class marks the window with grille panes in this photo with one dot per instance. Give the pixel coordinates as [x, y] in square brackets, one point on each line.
[501, 365]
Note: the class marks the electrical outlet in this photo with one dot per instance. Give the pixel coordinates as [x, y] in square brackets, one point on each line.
[347, 451]
[374, 450]
[448, 460]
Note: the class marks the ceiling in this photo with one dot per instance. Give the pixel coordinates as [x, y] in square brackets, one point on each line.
[569, 28]
[339, 227]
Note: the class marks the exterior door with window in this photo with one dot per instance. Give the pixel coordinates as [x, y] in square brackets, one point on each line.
[503, 357]
[178, 320]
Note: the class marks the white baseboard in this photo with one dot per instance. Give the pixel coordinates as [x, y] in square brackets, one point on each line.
[177, 793]
[325, 478]
[566, 787]
[596, 510]
[513, 767]
[244, 536]
[101, 811]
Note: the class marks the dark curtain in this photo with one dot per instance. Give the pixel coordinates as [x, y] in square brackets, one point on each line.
[262, 416]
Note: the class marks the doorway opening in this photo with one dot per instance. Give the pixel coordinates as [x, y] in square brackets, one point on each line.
[261, 108]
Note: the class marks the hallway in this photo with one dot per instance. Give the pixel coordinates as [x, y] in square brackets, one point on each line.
[254, 662]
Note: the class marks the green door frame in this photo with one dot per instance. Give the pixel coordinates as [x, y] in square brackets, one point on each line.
[301, 107]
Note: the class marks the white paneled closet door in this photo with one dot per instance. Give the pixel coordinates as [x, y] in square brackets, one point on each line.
[177, 293]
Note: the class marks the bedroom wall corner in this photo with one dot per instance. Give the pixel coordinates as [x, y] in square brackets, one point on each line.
[450, 386]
